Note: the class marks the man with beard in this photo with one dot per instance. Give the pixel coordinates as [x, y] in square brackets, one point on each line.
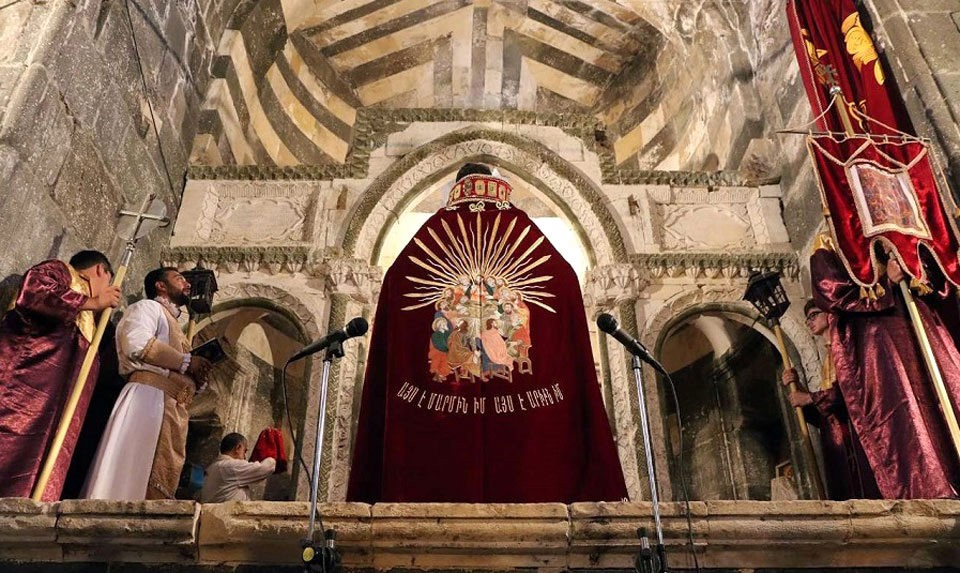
[143, 449]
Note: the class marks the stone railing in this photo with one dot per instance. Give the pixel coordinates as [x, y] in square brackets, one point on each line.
[727, 534]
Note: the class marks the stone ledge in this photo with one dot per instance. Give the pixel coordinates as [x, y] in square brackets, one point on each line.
[94, 530]
[28, 530]
[727, 534]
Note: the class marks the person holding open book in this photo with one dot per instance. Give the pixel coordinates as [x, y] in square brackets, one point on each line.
[144, 446]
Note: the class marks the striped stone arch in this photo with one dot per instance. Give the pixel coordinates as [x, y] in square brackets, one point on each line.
[574, 193]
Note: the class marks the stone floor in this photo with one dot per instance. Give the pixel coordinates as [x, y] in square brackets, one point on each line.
[106, 536]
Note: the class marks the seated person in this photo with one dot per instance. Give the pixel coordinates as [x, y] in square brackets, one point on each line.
[229, 478]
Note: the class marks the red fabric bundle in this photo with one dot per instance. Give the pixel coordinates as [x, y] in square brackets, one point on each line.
[270, 445]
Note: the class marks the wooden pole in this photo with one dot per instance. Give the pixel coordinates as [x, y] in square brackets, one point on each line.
[804, 430]
[929, 360]
[71, 407]
[191, 328]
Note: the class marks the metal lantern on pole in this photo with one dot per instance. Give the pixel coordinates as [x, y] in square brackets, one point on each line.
[767, 295]
[203, 285]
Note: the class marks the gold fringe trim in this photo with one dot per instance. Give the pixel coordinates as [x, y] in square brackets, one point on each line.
[872, 292]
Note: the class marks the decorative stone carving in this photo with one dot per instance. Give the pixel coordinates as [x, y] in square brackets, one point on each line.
[703, 267]
[374, 124]
[711, 226]
[397, 187]
[272, 259]
[278, 296]
[254, 214]
[609, 285]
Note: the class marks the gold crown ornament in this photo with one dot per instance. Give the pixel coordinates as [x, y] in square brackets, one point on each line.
[476, 190]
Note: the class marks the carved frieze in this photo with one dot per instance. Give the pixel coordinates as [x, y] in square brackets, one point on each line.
[694, 266]
[343, 275]
[609, 285]
[255, 214]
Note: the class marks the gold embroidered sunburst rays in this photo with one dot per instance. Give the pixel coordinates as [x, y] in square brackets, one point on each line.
[480, 283]
[485, 259]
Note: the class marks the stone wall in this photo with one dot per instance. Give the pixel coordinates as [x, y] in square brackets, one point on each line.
[77, 134]
[920, 43]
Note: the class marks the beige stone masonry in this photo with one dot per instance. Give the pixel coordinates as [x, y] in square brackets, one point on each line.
[727, 534]
[94, 530]
[28, 530]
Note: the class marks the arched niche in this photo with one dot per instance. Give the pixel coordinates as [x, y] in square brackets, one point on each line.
[735, 441]
[547, 215]
[732, 338]
[261, 326]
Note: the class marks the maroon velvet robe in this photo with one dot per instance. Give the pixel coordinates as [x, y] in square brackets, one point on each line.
[889, 396]
[847, 470]
[480, 394]
[41, 349]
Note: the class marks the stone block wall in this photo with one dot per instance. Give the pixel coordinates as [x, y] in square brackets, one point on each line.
[77, 137]
[920, 44]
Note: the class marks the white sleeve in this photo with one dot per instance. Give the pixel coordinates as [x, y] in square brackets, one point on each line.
[137, 327]
[251, 472]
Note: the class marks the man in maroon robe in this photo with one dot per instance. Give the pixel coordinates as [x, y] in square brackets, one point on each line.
[846, 467]
[43, 341]
[480, 384]
[887, 391]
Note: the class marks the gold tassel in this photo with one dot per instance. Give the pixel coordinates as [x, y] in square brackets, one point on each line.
[868, 293]
[920, 287]
[823, 241]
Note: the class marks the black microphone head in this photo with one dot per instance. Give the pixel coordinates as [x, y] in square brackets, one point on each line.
[607, 323]
[357, 327]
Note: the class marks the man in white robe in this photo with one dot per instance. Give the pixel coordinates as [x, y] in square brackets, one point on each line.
[144, 446]
[229, 478]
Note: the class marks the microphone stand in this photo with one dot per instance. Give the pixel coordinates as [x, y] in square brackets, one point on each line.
[649, 561]
[324, 558]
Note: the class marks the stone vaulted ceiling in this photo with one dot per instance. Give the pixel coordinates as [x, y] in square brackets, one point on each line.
[463, 53]
[292, 75]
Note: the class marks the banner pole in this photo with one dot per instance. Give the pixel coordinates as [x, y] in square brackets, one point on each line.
[929, 360]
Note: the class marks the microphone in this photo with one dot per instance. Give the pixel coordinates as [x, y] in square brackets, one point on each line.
[356, 327]
[609, 325]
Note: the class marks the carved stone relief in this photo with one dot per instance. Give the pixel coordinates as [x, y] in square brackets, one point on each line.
[705, 227]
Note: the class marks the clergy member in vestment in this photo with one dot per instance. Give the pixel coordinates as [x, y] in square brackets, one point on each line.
[887, 391]
[846, 467]
[43, 341]
[143, 449]
[480, 384]
[105, 394]
[229, 478]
